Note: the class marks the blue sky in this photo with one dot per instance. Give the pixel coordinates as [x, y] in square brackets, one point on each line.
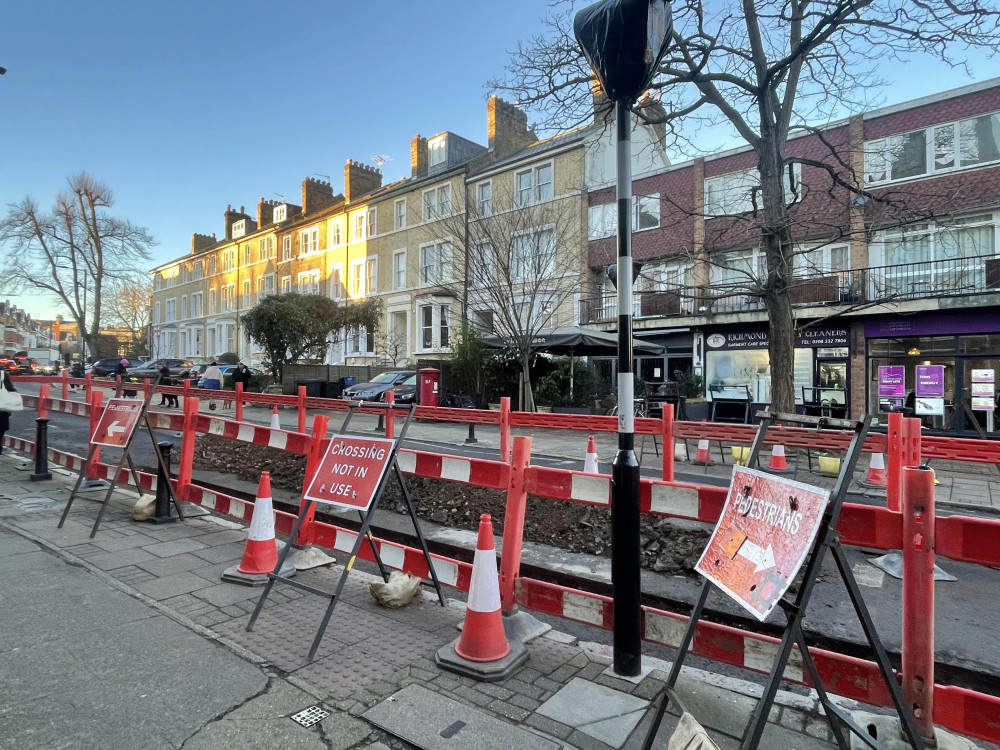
[184, 107]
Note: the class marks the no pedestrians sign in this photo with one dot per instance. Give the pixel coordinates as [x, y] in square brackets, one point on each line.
[350, 472]
[766, 530]
[117, 422]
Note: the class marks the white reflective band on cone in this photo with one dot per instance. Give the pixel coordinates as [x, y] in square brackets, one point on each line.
[484, 589]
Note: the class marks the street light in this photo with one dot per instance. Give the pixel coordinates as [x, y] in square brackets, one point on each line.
[624, 41]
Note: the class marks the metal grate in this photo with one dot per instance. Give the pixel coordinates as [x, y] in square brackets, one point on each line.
[309, 716]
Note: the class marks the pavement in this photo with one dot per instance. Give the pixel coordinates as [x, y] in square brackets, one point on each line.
[131, 640]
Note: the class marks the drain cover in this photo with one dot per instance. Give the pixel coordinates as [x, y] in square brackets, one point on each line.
[309, 716]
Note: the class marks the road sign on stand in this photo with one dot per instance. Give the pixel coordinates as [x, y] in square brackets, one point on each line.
[766, 530]
[350, 472]
[117, 423]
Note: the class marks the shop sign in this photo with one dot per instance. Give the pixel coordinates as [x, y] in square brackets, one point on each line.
[808, 338]
[982, 390]
[766, 529]
[838, 352]
[930, 381]
[892, 381]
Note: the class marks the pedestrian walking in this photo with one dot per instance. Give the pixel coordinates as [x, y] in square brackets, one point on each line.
[167, 399]
[213, 382]
[77, 372]
[241, 375]
[8, 386]
[121, 371]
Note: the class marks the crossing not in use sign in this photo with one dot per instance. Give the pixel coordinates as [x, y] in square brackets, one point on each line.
[766, 530]
[350, 472]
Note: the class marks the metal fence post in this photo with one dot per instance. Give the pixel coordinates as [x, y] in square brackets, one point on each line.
[918, 596]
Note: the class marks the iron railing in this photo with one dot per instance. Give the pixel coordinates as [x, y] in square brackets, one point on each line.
[952, 277]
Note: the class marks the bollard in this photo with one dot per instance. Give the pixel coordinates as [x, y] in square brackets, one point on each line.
[918, 596]
[161, 514]
[472, 433]
[513, 523]
[41, 450]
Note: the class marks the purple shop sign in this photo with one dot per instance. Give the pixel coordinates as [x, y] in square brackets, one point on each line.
[892, 381]
[930, 381]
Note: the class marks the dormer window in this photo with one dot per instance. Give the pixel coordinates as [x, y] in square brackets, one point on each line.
[280, 213]
[437, 151]
[239, 228]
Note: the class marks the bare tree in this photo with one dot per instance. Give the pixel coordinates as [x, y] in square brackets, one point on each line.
[72, 251]
[763, 69]
[127, 305]
[392, 345]
[522, 268]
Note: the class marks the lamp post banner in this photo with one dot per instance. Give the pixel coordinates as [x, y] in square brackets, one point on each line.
[766, 530]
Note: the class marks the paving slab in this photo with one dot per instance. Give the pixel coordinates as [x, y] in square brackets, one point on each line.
[598, 711]
[432, 721]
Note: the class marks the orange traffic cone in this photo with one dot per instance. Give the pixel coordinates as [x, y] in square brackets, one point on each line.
[261, 554]
[876, 476]
[275, 419]
[704, 456]
[590, 462]
[482, 651]
[778, 464]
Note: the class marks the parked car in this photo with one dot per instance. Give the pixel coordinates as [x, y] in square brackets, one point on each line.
[227, 371]
[406, 392]
[104, 367]
[375, 389]
[179, 368]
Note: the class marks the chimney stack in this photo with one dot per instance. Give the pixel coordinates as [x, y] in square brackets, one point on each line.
[316, 195]
[418, 156]
[360, 179]
[507, 126]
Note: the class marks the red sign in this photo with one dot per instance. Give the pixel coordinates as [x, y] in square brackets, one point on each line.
[350, 472]
[117, 422]
[763, 536]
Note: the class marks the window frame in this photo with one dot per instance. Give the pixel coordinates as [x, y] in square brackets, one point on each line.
[397, 269]
[399, 214]
[531, 193]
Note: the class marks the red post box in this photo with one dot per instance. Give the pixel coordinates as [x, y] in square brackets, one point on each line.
[430, 380]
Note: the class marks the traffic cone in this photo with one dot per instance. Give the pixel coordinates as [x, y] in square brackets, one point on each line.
[275, 419]
[590, 462]
[778, 464]
[261, 554]
[704, 456]
[876, 476]
[482, 650]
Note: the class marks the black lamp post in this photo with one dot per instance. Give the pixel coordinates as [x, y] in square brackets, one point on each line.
[624, 41]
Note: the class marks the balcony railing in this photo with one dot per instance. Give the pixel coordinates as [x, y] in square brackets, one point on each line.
[906, 281]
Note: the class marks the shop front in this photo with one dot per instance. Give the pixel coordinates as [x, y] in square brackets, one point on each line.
[738, 370]
[938, 366]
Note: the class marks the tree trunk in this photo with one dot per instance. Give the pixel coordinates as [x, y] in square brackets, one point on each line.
[528, 403]
[778, 250]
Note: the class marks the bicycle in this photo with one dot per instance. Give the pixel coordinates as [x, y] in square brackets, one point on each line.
[640, 408]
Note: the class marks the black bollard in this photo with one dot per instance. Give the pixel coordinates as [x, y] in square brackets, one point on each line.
[162, 512]
[380, 427]
[41, 451]
[472, 434]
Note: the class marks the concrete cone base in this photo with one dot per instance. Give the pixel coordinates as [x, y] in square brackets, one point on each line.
[308, 557]
[778, 471]
[892, 563]
[484, 671]
[871, 485]
[233, 575]
[193, 510]
[522, 627]
[890, 735]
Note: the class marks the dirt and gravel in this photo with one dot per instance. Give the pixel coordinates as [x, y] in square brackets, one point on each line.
[667, 547]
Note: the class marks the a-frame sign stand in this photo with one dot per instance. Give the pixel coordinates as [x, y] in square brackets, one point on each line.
[343, 479]
[827, 539]
[117, 429]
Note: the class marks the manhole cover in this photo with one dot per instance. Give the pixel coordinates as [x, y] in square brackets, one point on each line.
[310, 716]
